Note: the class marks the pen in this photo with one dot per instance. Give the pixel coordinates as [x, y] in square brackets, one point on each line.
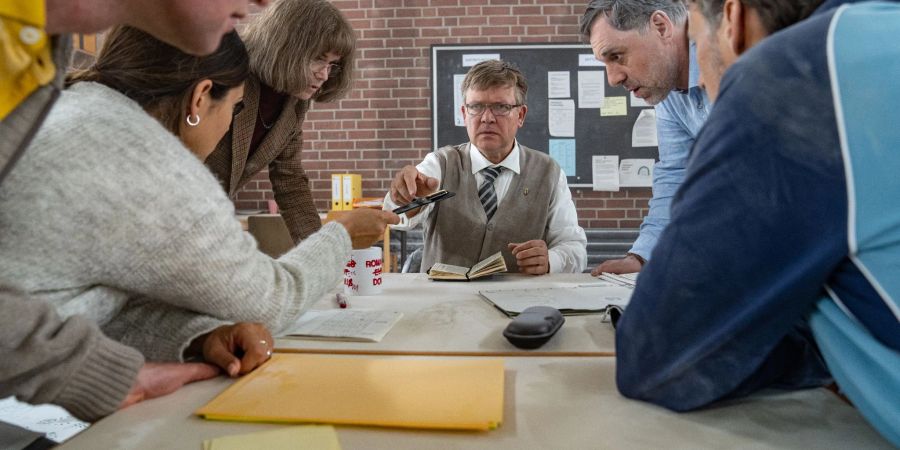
[342, 301]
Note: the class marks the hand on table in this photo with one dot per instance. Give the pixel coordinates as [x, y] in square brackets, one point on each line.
[158, 379]
[366, 226]
[628, 264]
[408, 184]
[237, 348]
[532, 256]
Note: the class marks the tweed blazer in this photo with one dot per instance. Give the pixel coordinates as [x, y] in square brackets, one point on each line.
[279, 151]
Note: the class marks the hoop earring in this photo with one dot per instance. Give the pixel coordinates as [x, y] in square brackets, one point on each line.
[192, 123]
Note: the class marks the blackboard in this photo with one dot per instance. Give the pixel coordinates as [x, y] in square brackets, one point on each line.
[593, 134]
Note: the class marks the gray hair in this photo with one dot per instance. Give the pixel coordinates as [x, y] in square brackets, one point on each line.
[774, 14]
[625, 15]
[496, 73]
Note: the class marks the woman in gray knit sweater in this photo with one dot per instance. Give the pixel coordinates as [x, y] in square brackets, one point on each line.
[110, 216]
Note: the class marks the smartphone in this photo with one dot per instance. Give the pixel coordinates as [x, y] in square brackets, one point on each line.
[419, 202]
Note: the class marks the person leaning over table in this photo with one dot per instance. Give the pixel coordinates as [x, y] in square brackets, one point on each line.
[109, 215]
[645, 48]
[70, 362]
[509, 197]
[301, 51]
[807, 198]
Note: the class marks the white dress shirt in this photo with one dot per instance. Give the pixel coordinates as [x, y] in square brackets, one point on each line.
[566, 240]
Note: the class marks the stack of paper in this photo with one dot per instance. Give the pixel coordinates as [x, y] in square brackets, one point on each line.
[462, 394]
[568, 300]
[625, 279]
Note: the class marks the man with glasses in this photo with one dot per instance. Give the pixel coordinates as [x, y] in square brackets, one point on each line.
[510, 198]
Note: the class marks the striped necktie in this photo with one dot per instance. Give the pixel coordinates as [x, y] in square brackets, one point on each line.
[486, 192]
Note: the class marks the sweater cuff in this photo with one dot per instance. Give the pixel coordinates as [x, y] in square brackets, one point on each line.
[106, 376]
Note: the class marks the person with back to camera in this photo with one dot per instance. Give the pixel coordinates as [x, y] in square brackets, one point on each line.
[159, 259]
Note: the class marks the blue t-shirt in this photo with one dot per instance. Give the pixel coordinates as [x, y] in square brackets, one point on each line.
[759, 229]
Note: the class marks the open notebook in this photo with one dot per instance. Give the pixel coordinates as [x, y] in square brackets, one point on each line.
[568, 300]
[440, 393]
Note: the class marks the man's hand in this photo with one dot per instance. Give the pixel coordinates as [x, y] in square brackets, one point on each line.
[237, 348]
[408, 184]
[366, 226]
[628, 264]
[531, 256]
[158, 379]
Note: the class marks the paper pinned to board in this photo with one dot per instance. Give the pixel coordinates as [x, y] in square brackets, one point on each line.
[643, 134]
[591, 89]
[558, 84]
[302, 437]
[458, 100]
[434, 393]
[614, 106]
[561, 118]
[605, 169]
[636, 172]
[563, 152]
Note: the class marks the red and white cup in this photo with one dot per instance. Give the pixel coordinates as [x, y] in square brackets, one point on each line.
[362, 274]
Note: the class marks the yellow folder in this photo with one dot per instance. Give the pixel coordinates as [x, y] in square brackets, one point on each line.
[464, 394]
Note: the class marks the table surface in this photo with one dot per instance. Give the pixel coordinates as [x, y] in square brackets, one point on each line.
[451, 318]
[550, 402]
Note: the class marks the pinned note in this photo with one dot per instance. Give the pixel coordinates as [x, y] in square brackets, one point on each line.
[558, 84]
[643, 134]
[591, 89]
[561, 118]
[605, 172]
[636, 172]
[614, 106]
[563, 152]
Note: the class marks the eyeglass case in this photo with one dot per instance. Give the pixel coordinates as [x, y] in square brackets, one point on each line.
[534, 327]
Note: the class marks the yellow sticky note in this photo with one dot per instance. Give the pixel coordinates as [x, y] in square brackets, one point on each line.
[464, 394]
[614, 106]
[312, 437]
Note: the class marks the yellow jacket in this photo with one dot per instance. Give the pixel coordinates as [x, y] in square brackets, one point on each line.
[26, 62]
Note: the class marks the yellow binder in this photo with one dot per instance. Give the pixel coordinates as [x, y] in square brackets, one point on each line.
[351, 189]
[336, 188]
[465, 394]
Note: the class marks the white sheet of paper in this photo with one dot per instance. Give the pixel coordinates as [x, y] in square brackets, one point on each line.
[588, 60]
[605, 169]
[55, 422]
[345, 324]
[644, 132]
[458, 118]
[561, 118]
[472, 59]
[558, 84]
[637, 102]
[569, 300]
[591, 89]
[636, 172]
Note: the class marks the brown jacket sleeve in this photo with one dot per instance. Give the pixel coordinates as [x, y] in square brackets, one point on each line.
[291, 185]
[44, 359]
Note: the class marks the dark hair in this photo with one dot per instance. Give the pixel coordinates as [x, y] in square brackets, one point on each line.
[495, 73]
[626, 15]
[774, 14]
[160, 77]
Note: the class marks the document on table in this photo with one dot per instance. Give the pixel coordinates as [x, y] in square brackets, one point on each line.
[345, 324]
[319, 437]
[437, 393]
[593, 299]
[51, 420]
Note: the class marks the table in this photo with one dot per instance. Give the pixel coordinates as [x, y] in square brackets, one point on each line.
[451, 318]
[550, 403]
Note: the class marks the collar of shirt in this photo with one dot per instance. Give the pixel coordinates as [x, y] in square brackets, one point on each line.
[478, 161]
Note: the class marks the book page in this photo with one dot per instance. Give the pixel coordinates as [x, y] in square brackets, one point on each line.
[492, 264]
[344, 324]
[440, 269]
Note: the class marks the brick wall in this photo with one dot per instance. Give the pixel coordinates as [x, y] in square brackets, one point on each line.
[385, 122]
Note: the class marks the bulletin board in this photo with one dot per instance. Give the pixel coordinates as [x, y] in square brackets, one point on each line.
[557, 106]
